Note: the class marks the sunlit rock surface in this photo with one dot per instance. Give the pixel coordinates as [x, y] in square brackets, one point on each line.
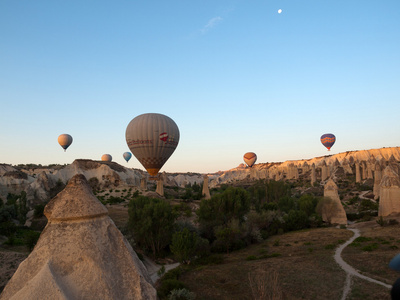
[80, 254]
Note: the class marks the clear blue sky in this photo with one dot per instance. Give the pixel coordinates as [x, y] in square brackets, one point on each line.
[236, 76]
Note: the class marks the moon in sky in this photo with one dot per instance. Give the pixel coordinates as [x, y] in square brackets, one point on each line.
[279, 11]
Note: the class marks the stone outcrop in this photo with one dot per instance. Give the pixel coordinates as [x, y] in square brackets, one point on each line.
[389, 202]
[206, 191]
[313, 174]
[358, 172]
[333, 211]
[377, 180]
[324, 171]
[80, 254]
[160, 185]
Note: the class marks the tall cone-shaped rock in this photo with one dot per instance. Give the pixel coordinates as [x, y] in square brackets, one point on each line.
[80, 254]
[389, 192]
[333, 212]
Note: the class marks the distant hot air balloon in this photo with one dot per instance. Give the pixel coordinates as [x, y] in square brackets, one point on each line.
[152, 138]
[65, 140]
[127, 156]
[250, 158]
[106, 157]
[328, 140]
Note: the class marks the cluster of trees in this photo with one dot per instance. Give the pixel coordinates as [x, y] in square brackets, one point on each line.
[231, 219]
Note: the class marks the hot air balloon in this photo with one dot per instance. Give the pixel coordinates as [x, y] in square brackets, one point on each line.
[152, 138]
[328, 140]
[106, 157]
[250, 158]
[127, 156]
[65, 140]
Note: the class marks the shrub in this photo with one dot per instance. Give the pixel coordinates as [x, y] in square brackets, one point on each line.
[151, 221]
[181, 294]
[370, 247]
[31, 239]
[251, 257]
[183, 245]
[38, 210]
[330, 246]
[295, 220]
[167, 286]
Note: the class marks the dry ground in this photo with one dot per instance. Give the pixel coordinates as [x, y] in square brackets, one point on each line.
[306, 269]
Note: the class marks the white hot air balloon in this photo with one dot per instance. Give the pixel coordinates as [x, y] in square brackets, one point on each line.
[106, 157]
[65, 140]
[152, 138]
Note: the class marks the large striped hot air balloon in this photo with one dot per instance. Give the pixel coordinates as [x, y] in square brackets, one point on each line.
[152, 138]
[65, 140]
[250, 158]
[328, 140]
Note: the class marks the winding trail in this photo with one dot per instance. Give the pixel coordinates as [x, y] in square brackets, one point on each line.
[349, 269]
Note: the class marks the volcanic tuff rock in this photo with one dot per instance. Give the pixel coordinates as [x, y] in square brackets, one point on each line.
[389, 192]
[80, 254]
[334, 213]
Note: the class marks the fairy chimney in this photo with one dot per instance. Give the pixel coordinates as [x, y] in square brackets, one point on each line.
[389, 202]
[313, 174]
[377, 179]
[160, 185]
[206, 190]
[80, 254]
[333, 211]
[358, 173]
[324, 171]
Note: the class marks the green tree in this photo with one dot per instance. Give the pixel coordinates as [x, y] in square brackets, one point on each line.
[307, 203]
[183, 245]
[151, 221]
[233, 203]
[295, 220]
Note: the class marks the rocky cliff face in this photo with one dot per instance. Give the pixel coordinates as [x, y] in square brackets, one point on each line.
[80, 254]
[39, 182]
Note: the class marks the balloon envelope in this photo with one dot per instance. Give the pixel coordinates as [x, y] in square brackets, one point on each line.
[250, 158]
[127, 156]
[65, 140]
[152, 138]
[106, 157]
[328, 140]
[395, 263]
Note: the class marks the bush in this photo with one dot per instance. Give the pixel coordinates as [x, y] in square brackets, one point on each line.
[183, 245]
[370, 247]
[8, 228]
[31, 239]
[38, 210]
[151, 221]
[168, 285]
[181, 294]
[295, 220]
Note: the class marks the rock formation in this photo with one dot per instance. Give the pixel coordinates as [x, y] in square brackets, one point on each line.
[160, 185]
[389, 202]
[333, 211]
[358, 173]
[313, 175]
[206, 190]
[143, 183]
[377, 180]
[324, 171]
[80, 254]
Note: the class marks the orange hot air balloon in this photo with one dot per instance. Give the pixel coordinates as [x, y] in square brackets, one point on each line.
[250, 158]
[65, 140]
[106, 157]
[152, 138]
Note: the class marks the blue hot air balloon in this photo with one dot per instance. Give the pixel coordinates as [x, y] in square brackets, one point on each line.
[328, 140]
[127, 156]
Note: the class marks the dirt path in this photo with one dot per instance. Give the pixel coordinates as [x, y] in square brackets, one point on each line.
[152, 268]
[349, 269]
